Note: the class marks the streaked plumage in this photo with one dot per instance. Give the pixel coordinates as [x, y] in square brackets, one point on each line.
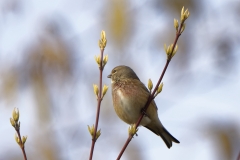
[129, 96]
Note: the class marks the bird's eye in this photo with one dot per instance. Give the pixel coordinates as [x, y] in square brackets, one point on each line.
[114, 71]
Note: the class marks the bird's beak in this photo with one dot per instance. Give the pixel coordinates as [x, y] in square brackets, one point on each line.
[109, 76]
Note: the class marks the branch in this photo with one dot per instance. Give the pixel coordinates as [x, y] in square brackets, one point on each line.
[22, 144]
[99, 99]
[14, 120]
[101, 61]
[170, 51]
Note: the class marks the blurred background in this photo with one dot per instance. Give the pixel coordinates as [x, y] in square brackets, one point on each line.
[47, 69]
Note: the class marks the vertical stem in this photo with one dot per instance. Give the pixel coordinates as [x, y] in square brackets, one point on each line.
[98, 107]
[22, 145]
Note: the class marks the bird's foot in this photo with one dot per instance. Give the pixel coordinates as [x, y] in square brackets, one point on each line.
[144, 112]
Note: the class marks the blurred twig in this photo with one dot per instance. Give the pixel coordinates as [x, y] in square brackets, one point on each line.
[99, 93]
[238, 156]
[21, 143]
[14, 120]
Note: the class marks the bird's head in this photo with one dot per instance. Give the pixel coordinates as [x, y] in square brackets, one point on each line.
[121, 73]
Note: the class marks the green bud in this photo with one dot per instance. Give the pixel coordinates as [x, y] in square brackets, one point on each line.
[150, 84]
[15, 114]
[176, 25]
[105, 59]
[17, 139]
[183, 28]
[132, 130]
[91, 130]
[12, 122]
[159, 90]
[105, 88]
[98, 134]
[24, 139]
[95, 89]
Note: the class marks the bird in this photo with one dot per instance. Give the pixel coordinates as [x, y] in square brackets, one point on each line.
[129, 97]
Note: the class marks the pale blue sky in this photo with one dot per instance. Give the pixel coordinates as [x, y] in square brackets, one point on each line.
[186, 106]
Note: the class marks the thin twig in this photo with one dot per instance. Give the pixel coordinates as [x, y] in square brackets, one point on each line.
[151, 97]
[21, 143]
[238, 156]
[99, 99]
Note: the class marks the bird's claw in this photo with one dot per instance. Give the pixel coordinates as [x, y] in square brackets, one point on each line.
[144, 112]
[135, 134]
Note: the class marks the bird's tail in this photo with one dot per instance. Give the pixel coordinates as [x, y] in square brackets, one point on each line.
[164, 134]
[167, 137]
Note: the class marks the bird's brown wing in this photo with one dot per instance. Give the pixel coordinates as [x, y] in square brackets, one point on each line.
[146, 93]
